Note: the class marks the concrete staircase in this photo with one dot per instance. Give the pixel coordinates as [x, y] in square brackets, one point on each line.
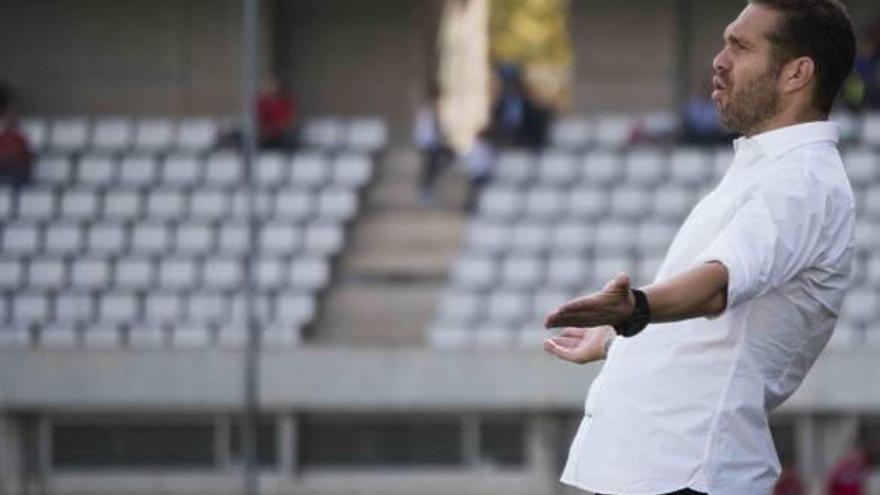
[394, 270]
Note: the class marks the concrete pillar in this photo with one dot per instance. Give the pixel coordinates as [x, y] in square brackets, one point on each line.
[11, 467]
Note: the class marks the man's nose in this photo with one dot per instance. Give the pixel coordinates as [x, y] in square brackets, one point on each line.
[721, 62]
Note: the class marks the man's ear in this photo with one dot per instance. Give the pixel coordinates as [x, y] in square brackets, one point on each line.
[797, 74]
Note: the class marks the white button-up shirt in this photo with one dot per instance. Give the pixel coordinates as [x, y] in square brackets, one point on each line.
[686, 404]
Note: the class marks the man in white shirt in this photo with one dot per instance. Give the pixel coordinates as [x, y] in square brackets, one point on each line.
[750, 289]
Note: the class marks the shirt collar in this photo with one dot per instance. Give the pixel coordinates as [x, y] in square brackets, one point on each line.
[777, 142]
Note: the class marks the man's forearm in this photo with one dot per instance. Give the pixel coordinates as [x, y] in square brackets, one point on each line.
[698, 292]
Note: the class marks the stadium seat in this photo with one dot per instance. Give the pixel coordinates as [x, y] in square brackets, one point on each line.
[672, 202]
[7, 207]
[501, 203]
[271, 169]
[176, 273]
[327, 133]
[654, 237]
[859, 307]
[558, 168]
[871, 129]
[647, 271]
[21, 238]
[607, 267]
[310, 170]
[630, 202]
[36, 130]
[614, 130]
[567, 272]
[337, 205]
[182, 170]
[295, 307]
[208, 307]
[572, 237]
[133, 273]
[194, 238]
[150, 239]
[63, 239]
[545, 203]
[461, 308]
[645, 167]
[30, 307]
[117, 307]
[280, 238]
[871, 204]
[153, 135]
[571, 133]
[352, 170]
[224, 170]
[521, 271]
[530, 237]
[689, 167]
[515, 168]
[191, 336]
[270, 273]
[232, 238]
[310, 274]
[54, 170]
[486, 237]
[165, 204]
[36, 204]
[366, 134]
[475, 273]
[861, 166]
[615, 236]
[122, 204]
[12, 274]
[72, 308]
[45, 273]
[601, 168]
[507, 307]
[112, 134]
[69, 134]
[96, 170]
[222, 273]
[106, 239]
[138, 170]
[323, 239]
[58, 336]
[210, 204]
[89, 273]
[79, 204]
[164, 308]
[196, 135]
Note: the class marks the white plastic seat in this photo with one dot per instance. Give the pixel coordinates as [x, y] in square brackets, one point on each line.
[614, 236]
[96, 170]
[567, 272]
[182, 170]
[69, 134]
[63, 239]
[475, 273]
[270, 273]
[71, 308]
[118, 308]
[271, 169]
[587, 203]
[367, 134]
[323, 239]
[189, 335]
[613, 130]
[310, 170]
[133, 274]
[165, 204]
[30, 307]
[6, 204]
[12, 274]
[601, 167]
[150, 239]
[178, 274]
[222, 273]
[36, 204]
[309, 273]
[645, 167]
[672, 202]
[224, 170]
[873, 272]
[488, 237]
[494, 335]
[572, 237]
[871, 202]
[859, 307]
[112, 134]
[571, 133]
[630, 202]
[153, 134]
[232, 238]
[871, 129]
[262, 306]
[558, 168]
[294, 205]
[546, 300]
[47, 274]
[647, 271]
[337, 205]
[122, 204]
[138, 170]
[54, 169]
[206, 307]
[58, 336]
[21, 238]
[522, 272]
[89, 273]
[530, 237]
[654, 237]
[163, 308]
[352, 170]
[194, 238]
[281, 334]
[501, 203]
[79, 204]
[296, 308]
[449, 336]
[861, 166]
[689, 166]
[36, 130]
[196, 134]
[327, 133]
[210, 204]
[607, 267]
[545, 203]
[280, 238]
[507, 307]
[515, 167]
[106, 239]
[461, 308]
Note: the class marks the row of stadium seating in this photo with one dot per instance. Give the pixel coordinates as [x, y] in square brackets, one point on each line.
[542, 236]
[147, 248]
[618, 130]
[159, 134]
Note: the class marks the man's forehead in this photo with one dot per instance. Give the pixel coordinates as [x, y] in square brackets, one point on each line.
[754, 23]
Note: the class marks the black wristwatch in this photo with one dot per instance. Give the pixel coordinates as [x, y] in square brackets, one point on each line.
[640, 318]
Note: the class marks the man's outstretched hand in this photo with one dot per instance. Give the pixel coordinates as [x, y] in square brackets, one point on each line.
[580, 345]
[612, 305]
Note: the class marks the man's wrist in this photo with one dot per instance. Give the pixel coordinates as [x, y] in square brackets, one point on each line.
[639, 318]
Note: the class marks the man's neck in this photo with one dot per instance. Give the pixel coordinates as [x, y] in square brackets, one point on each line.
[785, 119]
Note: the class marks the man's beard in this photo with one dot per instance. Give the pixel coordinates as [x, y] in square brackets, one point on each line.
[747, 107]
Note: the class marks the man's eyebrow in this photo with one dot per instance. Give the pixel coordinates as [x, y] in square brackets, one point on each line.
[733, 38]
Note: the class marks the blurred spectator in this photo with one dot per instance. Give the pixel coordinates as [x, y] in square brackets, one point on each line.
[850, 474]
[862, 89]
[516, 118]
[16, 159]
[431, 141]
[700, 122]
[479, 163]
[276, 115]
[789, 482]
[276, 119]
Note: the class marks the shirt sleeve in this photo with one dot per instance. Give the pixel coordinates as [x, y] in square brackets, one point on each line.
[774, 235]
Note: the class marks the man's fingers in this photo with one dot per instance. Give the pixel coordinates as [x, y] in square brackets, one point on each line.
[567, 342]
[571, 332]
[619, 283]
[580, 320]
[555, 349]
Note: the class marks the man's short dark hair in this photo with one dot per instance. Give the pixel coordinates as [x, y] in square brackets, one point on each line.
[821, 30]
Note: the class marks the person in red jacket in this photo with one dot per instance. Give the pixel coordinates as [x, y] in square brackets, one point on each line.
[16, 159]
[276, 115]
[850, 474]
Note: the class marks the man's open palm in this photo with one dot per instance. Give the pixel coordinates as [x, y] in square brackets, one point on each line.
[579, 345]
